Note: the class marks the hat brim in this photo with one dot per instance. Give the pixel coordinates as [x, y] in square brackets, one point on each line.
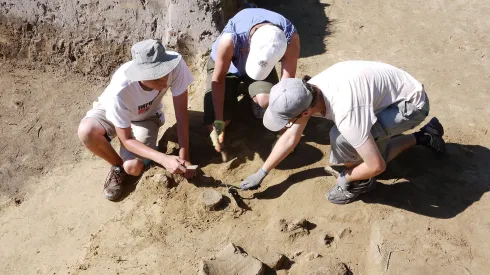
[273, 122]
[141, 72]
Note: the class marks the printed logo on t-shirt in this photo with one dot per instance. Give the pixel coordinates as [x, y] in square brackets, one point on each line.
[145, 107]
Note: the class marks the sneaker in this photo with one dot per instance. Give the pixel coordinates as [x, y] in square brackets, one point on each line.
[257, 110]
[338, 195]
[113, 183]
[435, 131]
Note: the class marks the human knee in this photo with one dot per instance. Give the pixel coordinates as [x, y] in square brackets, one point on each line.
[87, 132]
[134, 167]
[262, 100]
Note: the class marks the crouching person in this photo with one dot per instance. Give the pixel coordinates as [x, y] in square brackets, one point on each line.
[130, 108]
[371, 104]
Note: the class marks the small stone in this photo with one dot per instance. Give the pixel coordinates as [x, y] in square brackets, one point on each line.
[83, 266]
[326, 239]
[297, 224]
[311, 256]
[297, 253]
[211, 199]
[162, 179]
[273, 260]
[344, 232]
[283, 225]
[231, 260]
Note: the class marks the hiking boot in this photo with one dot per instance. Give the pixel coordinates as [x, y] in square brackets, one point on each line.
[113, 183]
[435, 131]
[338, 195]
[257, 110]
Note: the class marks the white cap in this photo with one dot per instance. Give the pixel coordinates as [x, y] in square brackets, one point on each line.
[267, 47]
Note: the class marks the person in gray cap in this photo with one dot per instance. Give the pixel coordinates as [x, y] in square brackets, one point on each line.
[371, 104]
[130, 108]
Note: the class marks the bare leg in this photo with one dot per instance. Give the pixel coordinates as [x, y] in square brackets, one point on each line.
[92, 134]
[399, 144]
[134, 167]
[262, 100]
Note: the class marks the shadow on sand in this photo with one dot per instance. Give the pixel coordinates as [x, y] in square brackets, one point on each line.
[421, 182]
[435, 187]
[245, 137]
[309, 18]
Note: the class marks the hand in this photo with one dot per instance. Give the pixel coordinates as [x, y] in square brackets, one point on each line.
[173, 164]
[218, 134]
[253, 181]
[190, 172]
[219, 126]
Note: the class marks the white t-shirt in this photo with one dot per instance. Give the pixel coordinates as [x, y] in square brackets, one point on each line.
[125, 101]
[355, 91]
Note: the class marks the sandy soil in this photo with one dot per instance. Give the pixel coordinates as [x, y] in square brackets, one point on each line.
[427, 215]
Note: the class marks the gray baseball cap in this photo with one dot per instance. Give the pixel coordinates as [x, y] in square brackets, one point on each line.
[151, 61]
[288, 99]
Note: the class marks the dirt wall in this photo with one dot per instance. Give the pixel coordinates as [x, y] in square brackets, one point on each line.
[95, 36]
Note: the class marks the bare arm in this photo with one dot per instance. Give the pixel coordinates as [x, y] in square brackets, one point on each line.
[221, 67]
[182, 116]
[281, 150]
[171, 163]
[373, 163]
[286, 144]
[290, 59]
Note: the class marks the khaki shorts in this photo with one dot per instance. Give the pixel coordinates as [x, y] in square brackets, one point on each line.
[145, 131]
[394, 120]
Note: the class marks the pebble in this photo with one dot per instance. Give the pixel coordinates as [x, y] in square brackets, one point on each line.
[211, 199]
[326, 239]
[311, 256]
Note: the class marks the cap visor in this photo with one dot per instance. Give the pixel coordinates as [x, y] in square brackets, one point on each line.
[273, 122]
[140, 72]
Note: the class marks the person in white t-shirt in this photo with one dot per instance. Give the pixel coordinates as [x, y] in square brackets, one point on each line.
[130, 108]
[371, 104]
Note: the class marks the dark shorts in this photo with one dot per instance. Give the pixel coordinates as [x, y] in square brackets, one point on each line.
[232, 83]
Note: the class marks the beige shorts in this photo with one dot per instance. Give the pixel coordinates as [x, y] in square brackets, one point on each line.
[145, 131]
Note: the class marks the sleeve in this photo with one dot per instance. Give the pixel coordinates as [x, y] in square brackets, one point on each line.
[181, 78]
[356, 125]
[117, 113]
[289, 29]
